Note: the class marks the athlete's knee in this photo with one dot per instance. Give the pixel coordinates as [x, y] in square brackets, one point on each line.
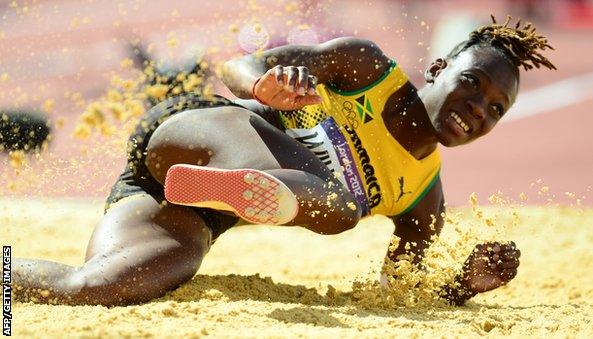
[92, 287]
[130, 283]
[164, 151]
[343, 218]
[350, 214]
[82, 286]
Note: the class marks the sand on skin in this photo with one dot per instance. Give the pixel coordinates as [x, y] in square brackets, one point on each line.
[274, 281]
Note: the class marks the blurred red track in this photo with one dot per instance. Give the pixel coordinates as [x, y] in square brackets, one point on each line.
[53, 50]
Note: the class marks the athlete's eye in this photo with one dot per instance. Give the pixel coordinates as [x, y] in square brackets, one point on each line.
[498, 110]
[471, 79]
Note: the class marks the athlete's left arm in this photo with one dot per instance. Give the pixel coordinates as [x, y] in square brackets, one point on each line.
[417, 226]
[490, 265]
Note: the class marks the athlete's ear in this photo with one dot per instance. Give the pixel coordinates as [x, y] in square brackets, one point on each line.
[435, 68]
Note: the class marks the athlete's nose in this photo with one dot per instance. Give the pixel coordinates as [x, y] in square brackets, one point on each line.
[476, 108]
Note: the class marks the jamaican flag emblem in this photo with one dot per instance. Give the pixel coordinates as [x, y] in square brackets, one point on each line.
[365, 111]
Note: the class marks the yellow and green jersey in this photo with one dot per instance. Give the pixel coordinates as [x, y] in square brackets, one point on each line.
[347, 132]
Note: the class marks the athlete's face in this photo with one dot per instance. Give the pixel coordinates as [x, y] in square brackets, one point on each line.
[467, 96]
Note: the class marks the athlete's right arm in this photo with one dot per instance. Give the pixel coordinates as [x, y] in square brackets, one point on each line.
[284, 75]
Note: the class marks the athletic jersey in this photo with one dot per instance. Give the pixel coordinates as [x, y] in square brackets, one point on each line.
[347, 132]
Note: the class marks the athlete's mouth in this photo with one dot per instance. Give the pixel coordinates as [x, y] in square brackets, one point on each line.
[462, 123]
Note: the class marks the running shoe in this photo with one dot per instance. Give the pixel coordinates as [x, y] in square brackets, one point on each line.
[253, 195]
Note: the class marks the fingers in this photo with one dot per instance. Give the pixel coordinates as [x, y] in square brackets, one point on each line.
[307, 100]
[506, 256]
[506, 260]
[303, 80]
[508, 264]
[508, 274]
[291, 78]
[498, 248]
[312, 84]
[507, 246]
[279, 74]
[295, 79]
[500, 256]
[510, 250]
[287, 88]
[509, 255]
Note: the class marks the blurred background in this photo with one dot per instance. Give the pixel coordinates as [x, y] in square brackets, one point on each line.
[72, 67]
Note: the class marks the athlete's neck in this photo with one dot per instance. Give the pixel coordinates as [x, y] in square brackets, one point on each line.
[408, 122]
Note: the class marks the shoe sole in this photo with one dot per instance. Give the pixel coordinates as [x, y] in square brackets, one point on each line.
[253, 195]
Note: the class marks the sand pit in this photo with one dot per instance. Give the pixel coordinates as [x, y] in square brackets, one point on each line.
[272, 281]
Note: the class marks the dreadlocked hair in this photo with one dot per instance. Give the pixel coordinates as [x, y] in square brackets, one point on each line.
[521, 45]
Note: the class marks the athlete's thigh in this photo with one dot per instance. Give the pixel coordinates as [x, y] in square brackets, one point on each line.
[139, 233]
[289, 153]
[226, 137]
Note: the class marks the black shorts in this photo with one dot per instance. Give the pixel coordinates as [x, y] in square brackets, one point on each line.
[136, 179]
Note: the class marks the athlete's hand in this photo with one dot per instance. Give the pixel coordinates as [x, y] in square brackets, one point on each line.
[489, 266]
[286, 88]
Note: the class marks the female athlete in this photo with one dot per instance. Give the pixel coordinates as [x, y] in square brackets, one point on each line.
[336, 132]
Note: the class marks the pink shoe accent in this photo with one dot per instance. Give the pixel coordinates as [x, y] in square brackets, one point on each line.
[253, 195]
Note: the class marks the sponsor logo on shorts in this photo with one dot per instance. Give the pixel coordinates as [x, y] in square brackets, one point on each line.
[6, 291]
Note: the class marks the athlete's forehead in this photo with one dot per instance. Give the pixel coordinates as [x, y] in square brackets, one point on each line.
[490, 65]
